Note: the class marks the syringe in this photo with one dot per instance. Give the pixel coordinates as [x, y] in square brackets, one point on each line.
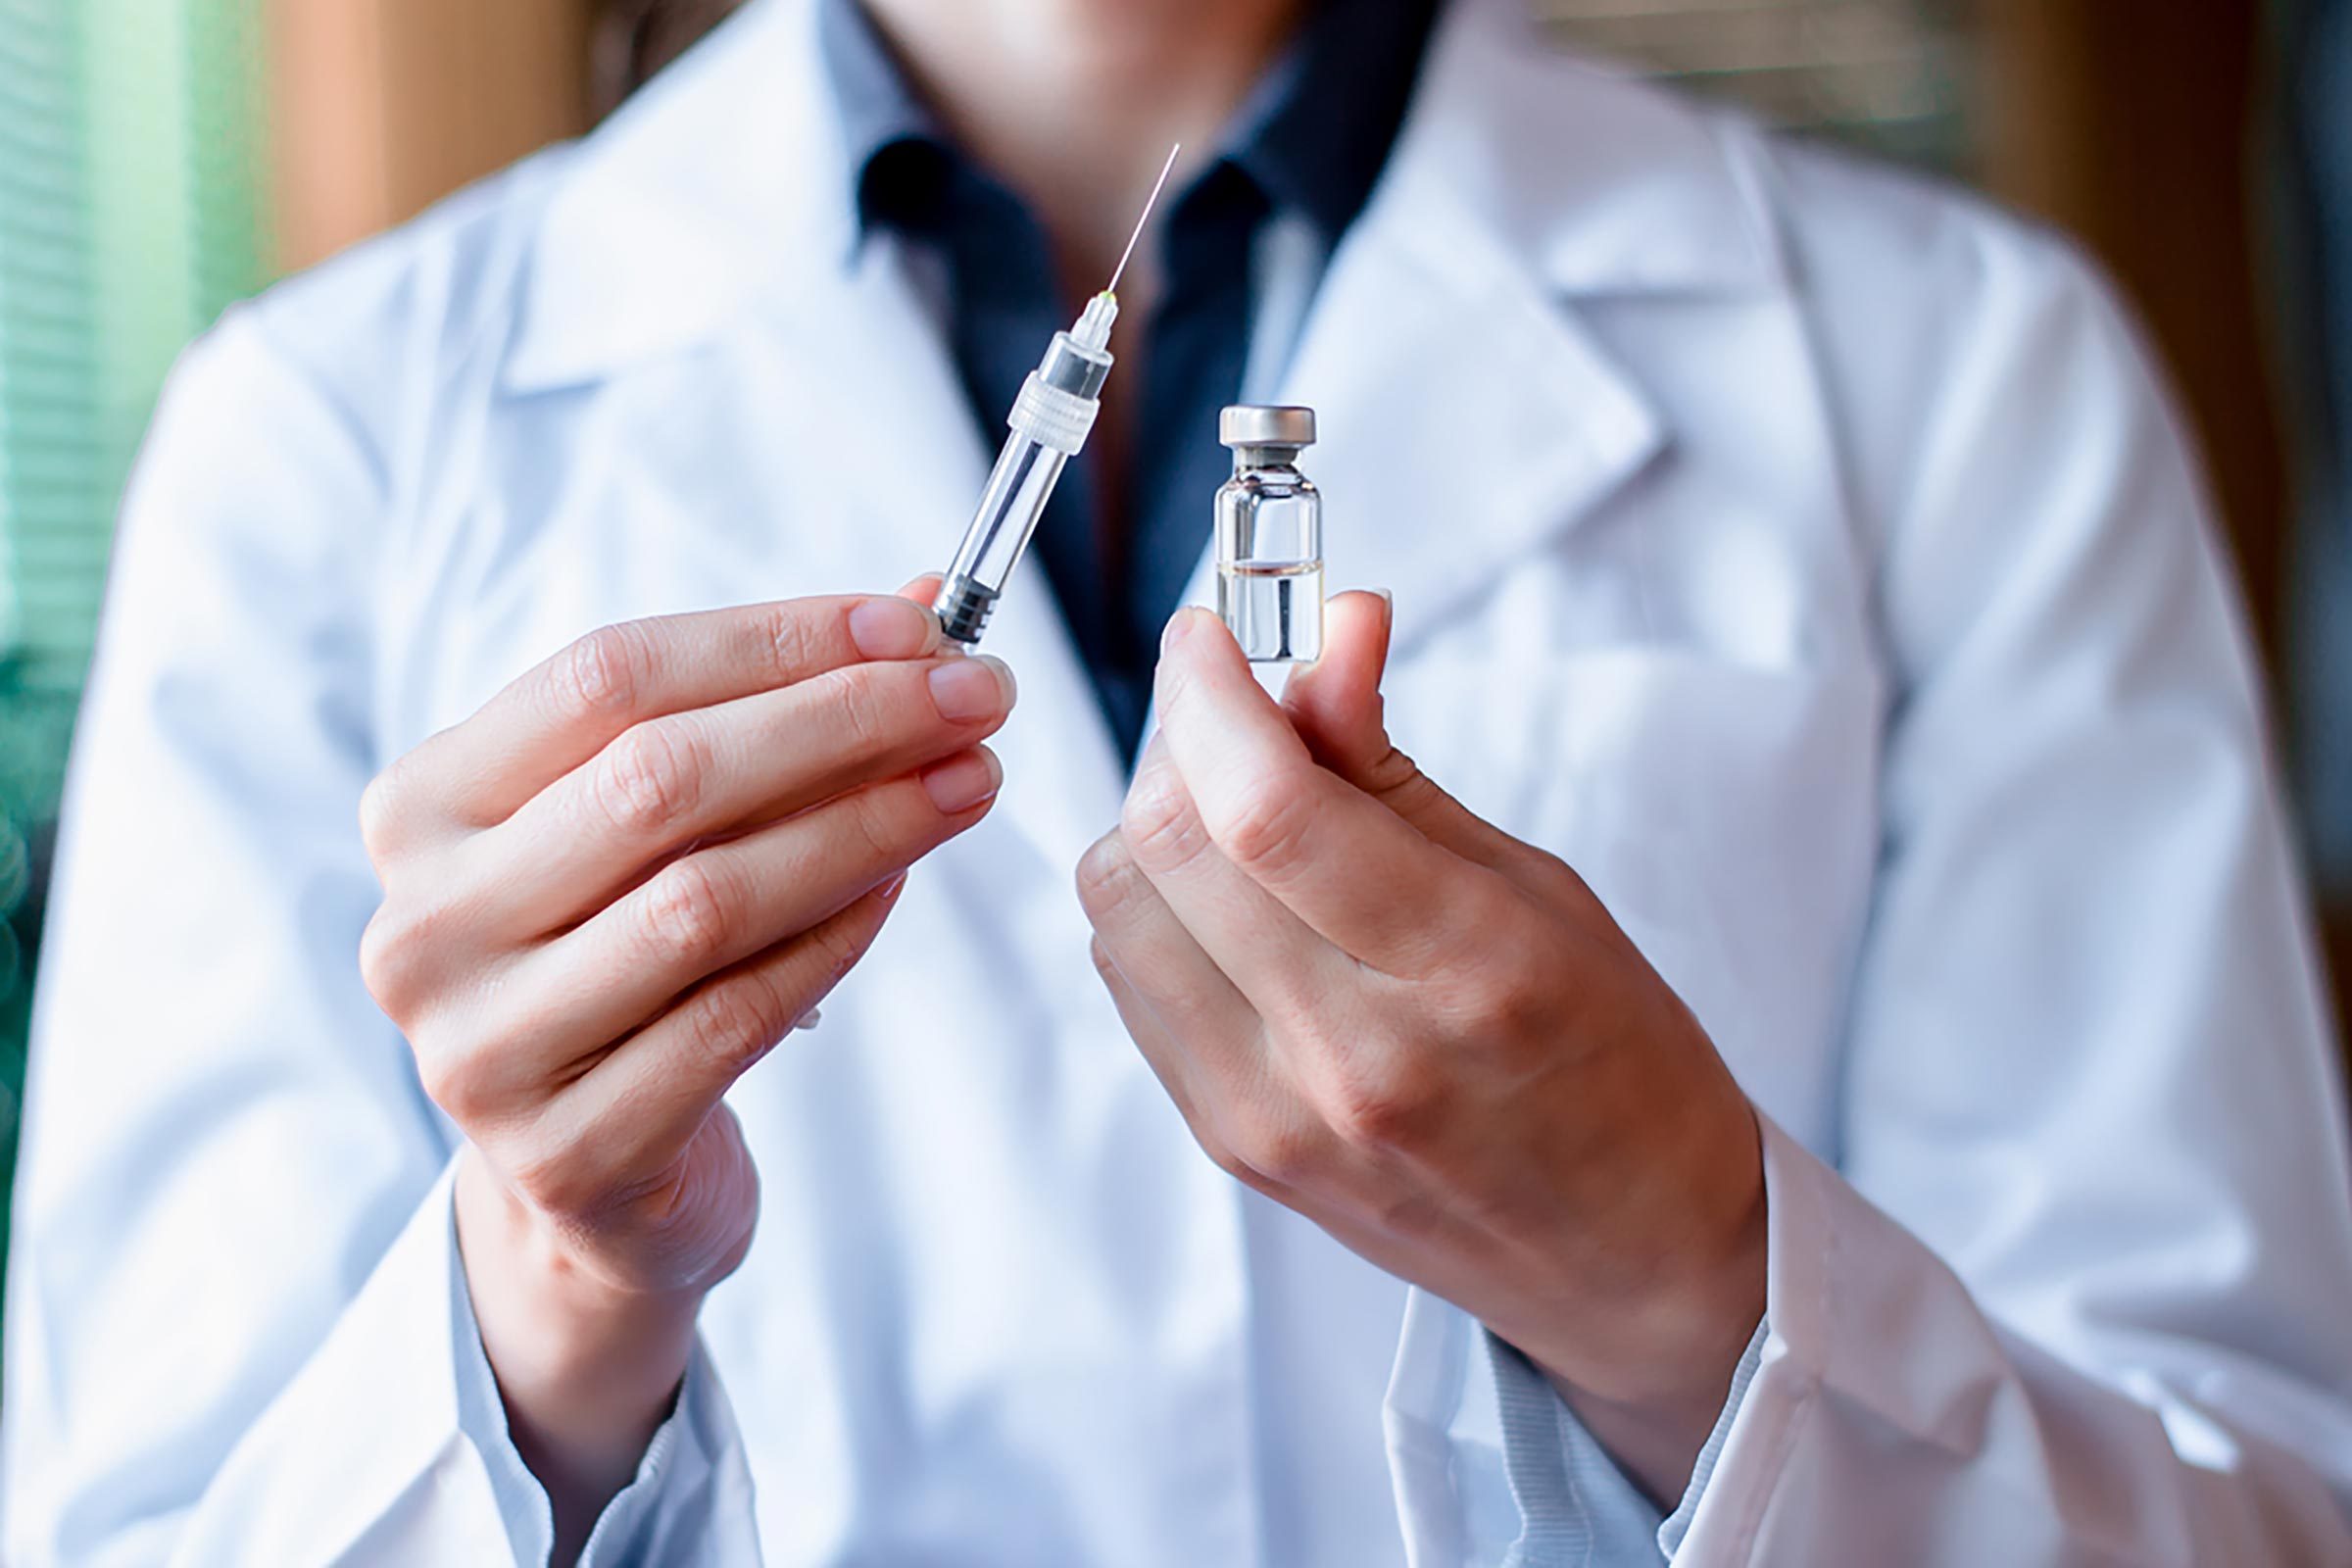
[1050, 423]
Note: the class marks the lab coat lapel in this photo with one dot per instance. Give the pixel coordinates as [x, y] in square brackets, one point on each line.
[1468, 409]
[1461, 425]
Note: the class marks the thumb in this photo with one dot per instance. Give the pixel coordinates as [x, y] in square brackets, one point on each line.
[1335, 704]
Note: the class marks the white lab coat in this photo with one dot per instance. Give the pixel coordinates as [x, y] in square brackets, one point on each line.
[1806, 554]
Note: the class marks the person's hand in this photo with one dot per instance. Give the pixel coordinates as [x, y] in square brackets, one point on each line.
[1431, 1039]
[607, 894]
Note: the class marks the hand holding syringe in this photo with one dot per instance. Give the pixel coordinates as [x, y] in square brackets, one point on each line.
[607, 894]
[579, 1003]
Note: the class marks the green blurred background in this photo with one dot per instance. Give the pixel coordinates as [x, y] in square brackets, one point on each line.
[130, 214]
[161, 158]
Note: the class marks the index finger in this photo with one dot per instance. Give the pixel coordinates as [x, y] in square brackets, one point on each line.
[567, 709]
[1361, 876]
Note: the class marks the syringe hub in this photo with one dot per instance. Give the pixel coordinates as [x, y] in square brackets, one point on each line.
[1096, 321]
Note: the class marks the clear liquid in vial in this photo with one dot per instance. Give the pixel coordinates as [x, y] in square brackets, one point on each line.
[1274, 612]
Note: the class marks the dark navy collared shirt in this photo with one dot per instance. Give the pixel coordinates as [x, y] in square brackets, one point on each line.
[1310, 140]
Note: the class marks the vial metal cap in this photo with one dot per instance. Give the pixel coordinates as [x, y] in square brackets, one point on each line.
[1255, 424]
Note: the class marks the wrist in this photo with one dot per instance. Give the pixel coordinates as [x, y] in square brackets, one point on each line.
[1654, 1407]
[588, 1370]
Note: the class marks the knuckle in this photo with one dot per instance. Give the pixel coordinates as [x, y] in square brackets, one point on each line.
[1266, 830]
[380, 960]
[1109, 879]
[1516, 1009]
[793, 645]
[1104, 964]
[733, 1024]
[865, 717]
[1221, 1155]
[1161, 827]
[381, 811]
[836, 947]
[1539, 874]
[1216, 1137]
[1284, 1151]
[600, 675]
[1396, 778]
[875, 823]
[688, 913]
[649, 778]
[1513, 990]
[456, 1080]
[558, 1180]
[1389, 1109]
[391, 950]
[1566, 887]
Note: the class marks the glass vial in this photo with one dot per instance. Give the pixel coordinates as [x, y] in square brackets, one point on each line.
[1271, 537]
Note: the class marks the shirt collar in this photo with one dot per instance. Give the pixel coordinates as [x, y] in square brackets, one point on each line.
[1312, 135]
[874, 102]
[723, 188]
[1316, 132]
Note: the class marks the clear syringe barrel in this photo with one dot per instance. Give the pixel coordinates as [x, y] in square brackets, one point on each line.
[1048, 425]
[1018, 488]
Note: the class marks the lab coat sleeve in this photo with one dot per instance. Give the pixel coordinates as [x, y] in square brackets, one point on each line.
[230, 1335]
[689, 1501]
[1575, 1505]
[2076, 1290]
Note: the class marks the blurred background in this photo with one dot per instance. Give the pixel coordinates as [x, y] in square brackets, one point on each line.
[161, 158]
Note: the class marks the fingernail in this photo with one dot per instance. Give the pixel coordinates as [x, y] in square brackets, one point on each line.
[1388, 605]
[889, 891]
[1181, 625]
[809, 1019]
[962, 782]
[968, 689]
[891, 628]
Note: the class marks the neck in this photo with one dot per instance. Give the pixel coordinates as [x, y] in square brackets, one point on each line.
[1075, 102]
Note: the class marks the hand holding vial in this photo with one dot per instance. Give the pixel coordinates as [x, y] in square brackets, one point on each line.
[1430, 1038]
